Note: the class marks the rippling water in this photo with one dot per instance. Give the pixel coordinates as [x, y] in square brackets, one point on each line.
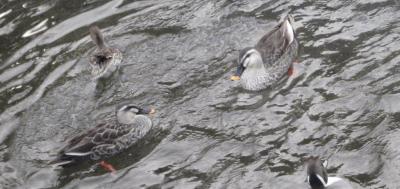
[342, 101]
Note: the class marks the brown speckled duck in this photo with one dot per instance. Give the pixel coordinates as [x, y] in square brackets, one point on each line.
[104, 60]
[112, 136]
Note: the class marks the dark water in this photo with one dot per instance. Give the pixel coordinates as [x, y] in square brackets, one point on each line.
[342, 101]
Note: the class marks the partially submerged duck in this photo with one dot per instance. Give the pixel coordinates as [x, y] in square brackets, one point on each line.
[104, 60]
[128, 126]
[266, 63]
[317, 176]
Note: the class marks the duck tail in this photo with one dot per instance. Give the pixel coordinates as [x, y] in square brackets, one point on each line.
[287, 28]
[97, 37]
[67, 159]
[61, 162]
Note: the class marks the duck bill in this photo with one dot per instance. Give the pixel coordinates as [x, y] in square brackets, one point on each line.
[238, 73]
[149, 111]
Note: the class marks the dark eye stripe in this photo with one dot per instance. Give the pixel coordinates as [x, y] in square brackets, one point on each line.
[245, 57]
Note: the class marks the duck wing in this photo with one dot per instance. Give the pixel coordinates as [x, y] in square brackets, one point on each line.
[103, 133]
[276, 43]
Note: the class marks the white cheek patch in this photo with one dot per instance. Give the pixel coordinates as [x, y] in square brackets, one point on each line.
[289, 31]
[246, 62]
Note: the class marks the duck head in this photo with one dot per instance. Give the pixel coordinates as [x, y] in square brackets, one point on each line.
[317, 175]
[250, 60]
[128, 113]
[250, 71]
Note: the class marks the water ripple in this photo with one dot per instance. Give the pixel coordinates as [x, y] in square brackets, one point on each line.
[341, 102]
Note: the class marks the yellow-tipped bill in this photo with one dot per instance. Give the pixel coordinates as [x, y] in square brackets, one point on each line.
[235, 78]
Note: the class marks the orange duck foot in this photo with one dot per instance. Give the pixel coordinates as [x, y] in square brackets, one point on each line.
[108, 167]
[290, 71]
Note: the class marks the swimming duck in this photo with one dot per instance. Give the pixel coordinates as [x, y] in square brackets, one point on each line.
[111, 137]
[263, 65]
[104, 60]
[317, 176]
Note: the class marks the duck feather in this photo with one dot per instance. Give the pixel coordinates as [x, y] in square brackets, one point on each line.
[273, 45]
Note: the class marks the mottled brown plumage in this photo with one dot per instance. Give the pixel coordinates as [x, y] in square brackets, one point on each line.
[104, 59]
[108, 138]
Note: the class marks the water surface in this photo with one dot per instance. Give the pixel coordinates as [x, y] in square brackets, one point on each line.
[342, 101]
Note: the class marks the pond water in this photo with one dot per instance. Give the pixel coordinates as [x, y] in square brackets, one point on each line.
[342, 101]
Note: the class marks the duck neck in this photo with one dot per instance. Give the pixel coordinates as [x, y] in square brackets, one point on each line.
[124, 117]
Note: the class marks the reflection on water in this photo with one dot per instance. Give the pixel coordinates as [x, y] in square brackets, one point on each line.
[341, 101]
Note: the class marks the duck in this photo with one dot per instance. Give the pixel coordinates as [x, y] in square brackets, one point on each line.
[104, 60]
[263, 65]
[110, 137]
[317, 176]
